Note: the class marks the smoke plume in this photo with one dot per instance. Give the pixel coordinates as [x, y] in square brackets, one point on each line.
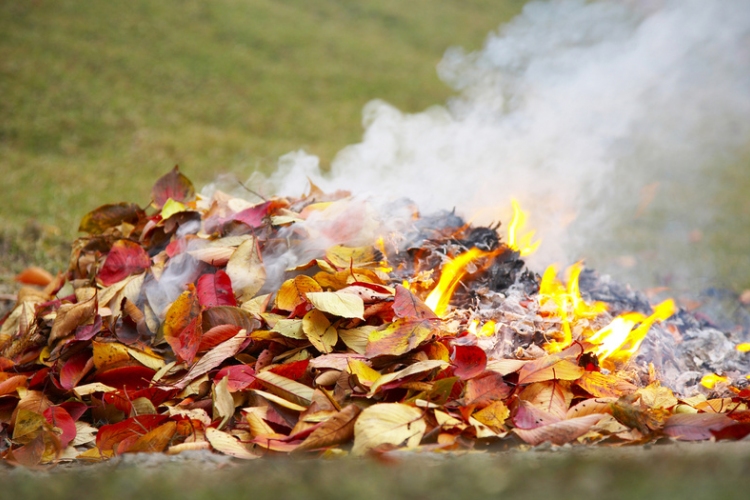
[589, 113]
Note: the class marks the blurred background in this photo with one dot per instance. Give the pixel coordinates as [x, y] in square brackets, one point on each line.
[101, 98]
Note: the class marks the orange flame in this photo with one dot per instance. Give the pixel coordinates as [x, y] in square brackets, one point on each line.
[617, 341]
[517, 241]
[450, 277]
[569, 304]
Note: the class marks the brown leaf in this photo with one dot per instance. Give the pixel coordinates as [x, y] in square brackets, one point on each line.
[485, 389]
[71, 316]
[549, 396]
[107, 216]
[338, 429]
[600, 385]
[559, 433]
[695, 426]
[407, 305]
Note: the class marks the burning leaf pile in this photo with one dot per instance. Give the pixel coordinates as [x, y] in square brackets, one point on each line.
[292, 326]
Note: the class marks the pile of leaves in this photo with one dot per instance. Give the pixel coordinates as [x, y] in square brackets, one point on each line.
[338, 359]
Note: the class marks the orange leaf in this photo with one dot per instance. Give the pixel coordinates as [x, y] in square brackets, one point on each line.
[183, 325]
[293, 292]
[34, 276]
[338, 429]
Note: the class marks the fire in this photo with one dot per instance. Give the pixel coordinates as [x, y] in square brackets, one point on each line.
[568, 302]
[450, 277]
[616, 342]
[517, 241]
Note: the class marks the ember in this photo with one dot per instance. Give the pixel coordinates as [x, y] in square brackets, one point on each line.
[297, 325]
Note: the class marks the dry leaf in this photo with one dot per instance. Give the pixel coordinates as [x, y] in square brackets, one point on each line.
[392, 424]
[339, 304]
[246, 270]
[225, 443]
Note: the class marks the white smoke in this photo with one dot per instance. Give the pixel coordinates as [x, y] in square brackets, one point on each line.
[572, 108]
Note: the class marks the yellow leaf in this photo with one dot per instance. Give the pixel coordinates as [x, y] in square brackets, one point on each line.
[293, 292]
[246, 270]
[366, 375]
[291, 328]
[356, 338]
[107, 353]
[399, 337]
[393, 424]
[346, 257]
[344, 305]
[149, 359]
[172, 207]
[415, 369]
[279, 400]
[223, 401]
[27, 426]
[286, 388]
[319, 331]
[494, 415]
[656, 396]
[85, 390]
[225, 443]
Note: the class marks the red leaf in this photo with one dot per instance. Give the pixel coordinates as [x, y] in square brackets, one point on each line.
[295, 370]
[124, 259]
[122, 399]
[75, 409]
[110, 436]
[469, 361]
[486, 389]
[75, 369]
[239, 377]
[254, 216]
[407, 305]
[695, 426]
[215, 290]
[173, 185]
[87, 332]
[216, 336]
[734, 432]
[61, 419]
[131, 376]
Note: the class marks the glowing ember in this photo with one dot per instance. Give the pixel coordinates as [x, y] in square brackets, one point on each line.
[451, 275]
[517, 241]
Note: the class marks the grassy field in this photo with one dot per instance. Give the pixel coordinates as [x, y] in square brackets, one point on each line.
[100, 98]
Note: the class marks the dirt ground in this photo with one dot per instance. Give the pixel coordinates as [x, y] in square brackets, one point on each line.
[668, 471]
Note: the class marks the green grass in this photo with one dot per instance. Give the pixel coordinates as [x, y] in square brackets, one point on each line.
[100, 98]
